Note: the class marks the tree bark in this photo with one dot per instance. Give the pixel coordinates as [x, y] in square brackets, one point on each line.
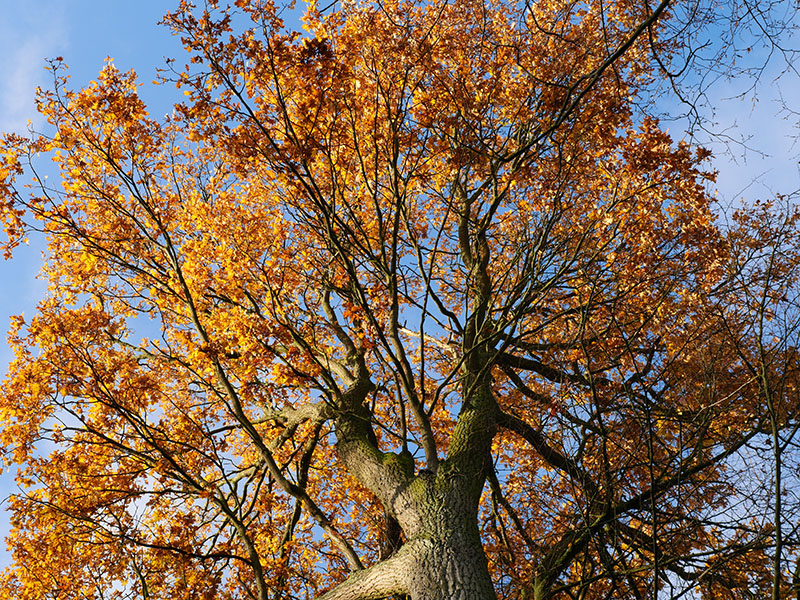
[441, 570]
[444, 557]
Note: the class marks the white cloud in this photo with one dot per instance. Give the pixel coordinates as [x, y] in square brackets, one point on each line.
[19, 82]
[29, 34]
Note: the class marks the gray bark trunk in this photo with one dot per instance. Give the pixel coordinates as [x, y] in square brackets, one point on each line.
[444, 557]
[442, 570]
[424, 570]
[447, 558]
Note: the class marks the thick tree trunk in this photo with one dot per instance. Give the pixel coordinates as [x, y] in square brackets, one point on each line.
[444, 570]
[443, 558]
[447, 561]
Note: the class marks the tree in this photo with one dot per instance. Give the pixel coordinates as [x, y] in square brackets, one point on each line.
[419, 303]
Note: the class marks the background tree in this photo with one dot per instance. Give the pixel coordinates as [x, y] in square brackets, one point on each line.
[421, 302]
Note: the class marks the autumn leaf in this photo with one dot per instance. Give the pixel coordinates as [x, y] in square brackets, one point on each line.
[419, 302]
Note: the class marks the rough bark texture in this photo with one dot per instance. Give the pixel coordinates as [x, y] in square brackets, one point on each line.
[447, 558]
[443, 557]
[448, 568]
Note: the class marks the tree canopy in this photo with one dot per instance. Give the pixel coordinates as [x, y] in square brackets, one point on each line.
[421, 301]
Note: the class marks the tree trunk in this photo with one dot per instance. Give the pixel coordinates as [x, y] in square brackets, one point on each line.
[446, 569]
[443, 558]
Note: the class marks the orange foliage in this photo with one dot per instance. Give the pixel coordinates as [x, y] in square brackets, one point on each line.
[449, 193]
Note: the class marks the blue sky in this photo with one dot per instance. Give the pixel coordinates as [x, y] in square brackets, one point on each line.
[85, 32]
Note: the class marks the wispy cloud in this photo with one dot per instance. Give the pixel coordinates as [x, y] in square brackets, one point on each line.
[29, 34]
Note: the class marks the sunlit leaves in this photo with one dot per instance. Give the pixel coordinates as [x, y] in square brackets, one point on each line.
[421, 196]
